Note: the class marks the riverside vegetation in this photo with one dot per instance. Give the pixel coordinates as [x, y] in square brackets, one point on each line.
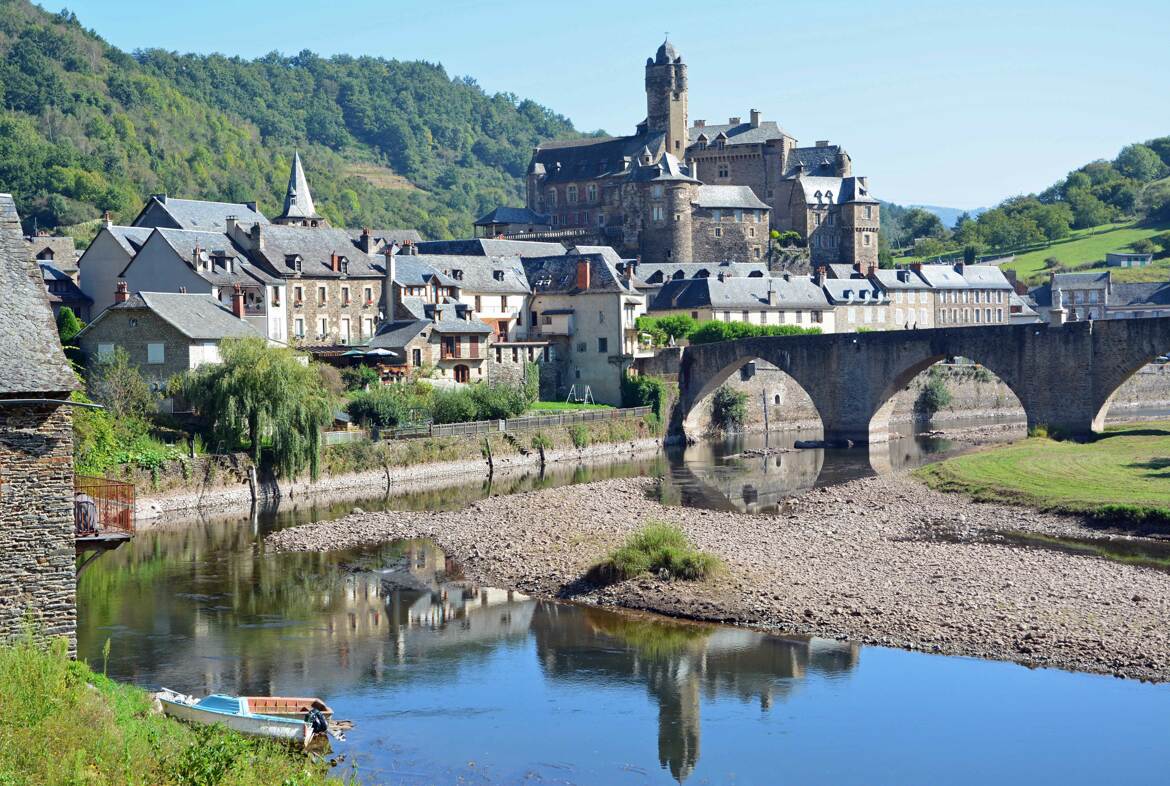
[67, 724]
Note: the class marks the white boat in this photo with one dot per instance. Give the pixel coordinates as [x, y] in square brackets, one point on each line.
[234, 713]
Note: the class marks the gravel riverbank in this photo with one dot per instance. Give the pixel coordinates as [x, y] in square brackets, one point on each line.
[881, 561]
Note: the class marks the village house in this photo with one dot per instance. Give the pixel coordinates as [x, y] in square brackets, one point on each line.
[63, 292]
[59, 251]
[967, 294]
[101, 265]
[1077, 297]
[858, 304]
[909, 296]
[754, 300]
[36, 451]
[442, 339]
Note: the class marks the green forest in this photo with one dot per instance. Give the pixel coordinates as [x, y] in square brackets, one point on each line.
[86, 127]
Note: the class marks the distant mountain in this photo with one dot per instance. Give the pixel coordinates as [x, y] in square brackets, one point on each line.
[949, 215]
[86, 127]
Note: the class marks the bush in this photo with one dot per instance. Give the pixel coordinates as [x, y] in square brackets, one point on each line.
[453, 406]
[68, 324]
[712, 331]
[118, 385]
[579, 433]
[330, 379]
[933, 397]
[360, 377]
[382, 407]
[541, 441]
[728, 408]
[662, 329]
[658, 548]
[1143, 246]
[497, 401]
[646, 391]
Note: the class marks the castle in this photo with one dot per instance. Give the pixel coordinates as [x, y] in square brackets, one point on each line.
[699, 193]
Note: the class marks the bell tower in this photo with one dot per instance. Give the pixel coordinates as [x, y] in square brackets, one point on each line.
[666, 98]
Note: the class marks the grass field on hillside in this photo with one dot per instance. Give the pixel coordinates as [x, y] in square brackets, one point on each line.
[1087, 247]
[1121, 474]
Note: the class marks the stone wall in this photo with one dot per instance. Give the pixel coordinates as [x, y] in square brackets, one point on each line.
[36, 522]
[745, 241]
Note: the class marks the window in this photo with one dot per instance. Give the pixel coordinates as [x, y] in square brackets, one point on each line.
[745, 316]
[723, 171]
[756, 252]
[977, 316]
[416, 357]
[922, 320]
[276, 296]
[552, 198]
[603, 344]
[581, 346]
[898, 317]
[816, 219]
[656, 192]
[298, 295]
[739, 216]
[657, 214]
[852, 316]
[988, 314]
[155, 353]
[591, 192]
[345, 296]
[369, 295]
[571, 195]
[367, 327]
[954, 315]
[321, 295]
[344, 330]
[344, 266]
[966, 315]
[865, 239]
[751, 231]
[503, 303]
[999, 315]
[718, 231]
[322, 327]
[816, 316]
[478, 305]
[726, 316]
[868, 214]
[299, 327]
[515, 355]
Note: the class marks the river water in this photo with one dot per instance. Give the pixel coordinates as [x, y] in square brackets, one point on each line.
[452, 682]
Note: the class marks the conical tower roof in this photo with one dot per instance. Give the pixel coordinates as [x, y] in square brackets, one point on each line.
[298, 201]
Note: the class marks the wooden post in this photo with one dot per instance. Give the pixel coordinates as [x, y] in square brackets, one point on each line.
[764, 397]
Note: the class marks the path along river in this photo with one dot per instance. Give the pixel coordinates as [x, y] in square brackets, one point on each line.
[450, 682]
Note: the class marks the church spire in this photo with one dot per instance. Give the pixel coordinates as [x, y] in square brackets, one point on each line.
[298, 202]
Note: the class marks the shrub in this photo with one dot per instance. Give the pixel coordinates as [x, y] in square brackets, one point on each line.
[646, 391]
[728, 408]
[712, 331]
[453, 406]
[360, 377]
[933, 397]
[68, 324]
[497, 401]
[1051, 263]
[579, 433]
[382, 407]
[656, 548]
[541, 441]
[330, 379]
[118, 385]
[1039, 431]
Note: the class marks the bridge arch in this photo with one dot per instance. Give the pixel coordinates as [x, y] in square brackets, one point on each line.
[1138, 358]
[788, 401]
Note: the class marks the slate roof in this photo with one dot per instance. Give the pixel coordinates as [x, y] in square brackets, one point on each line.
[384, 236]
[454, 318]
[64, 251]
[199, 317]
[738, 134]
[483, 246]
[66, 290]
[658, 273]
[817, 161]
[985, 277]
[898, 279]
[746, 293]
[314, 245]
[834, 190]
[854, 291]
[396, 334]
[129, 238]
[201, 214]
[412, 270]
[841, 271]
[666, 168]
[558, 275]
[942, 277]
[1041, 295]
[1156, 293]
[584, 159]
[513, 215]
[667, 53]
[298, 201]
[31, 359]
[219, 247]
[740, 197]
[1066, 280]
[478, 274]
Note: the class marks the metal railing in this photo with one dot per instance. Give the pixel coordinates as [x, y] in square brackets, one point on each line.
[342, 436]
[102, 505]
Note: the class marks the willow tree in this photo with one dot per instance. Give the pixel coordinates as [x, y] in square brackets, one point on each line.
[265, 395]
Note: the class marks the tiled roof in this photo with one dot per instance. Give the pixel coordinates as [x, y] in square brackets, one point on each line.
[395, 335]
[197, 316]
[557, 275]
[738, 134]
[498, 275]
[513, 215]
[741, 197]
[413, 271]
[483, 246]
[833, 190]
[200, 214]
[31, 359]
[817, 161]
[747, 293]
[384, 236]
[590, 158]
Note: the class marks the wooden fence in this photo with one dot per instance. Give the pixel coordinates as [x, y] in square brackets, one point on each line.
[526, 423]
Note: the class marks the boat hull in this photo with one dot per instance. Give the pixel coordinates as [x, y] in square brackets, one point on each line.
[286, 729]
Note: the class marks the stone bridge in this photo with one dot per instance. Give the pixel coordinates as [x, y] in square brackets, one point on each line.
[1064, 376]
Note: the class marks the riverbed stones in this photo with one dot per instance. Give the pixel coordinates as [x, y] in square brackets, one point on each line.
[863, 560]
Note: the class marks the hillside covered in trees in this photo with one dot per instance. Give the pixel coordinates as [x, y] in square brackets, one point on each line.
[86, 127]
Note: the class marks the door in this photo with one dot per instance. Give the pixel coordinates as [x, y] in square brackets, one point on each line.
[462, 373]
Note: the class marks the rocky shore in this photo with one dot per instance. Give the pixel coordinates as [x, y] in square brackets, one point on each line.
[880, 561]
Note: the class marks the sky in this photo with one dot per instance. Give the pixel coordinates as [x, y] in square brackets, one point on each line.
[937, 103]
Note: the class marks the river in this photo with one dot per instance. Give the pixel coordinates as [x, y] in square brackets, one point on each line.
[451, 682]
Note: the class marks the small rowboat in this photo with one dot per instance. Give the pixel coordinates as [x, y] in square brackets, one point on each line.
[240, 714]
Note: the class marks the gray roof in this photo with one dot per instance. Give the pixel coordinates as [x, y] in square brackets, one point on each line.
[314, 245]
[842, 271]
[197, 316]
[738, 134]
[129, 238]
[31, 359]
[1156, 293]
[454, 318]
[903, 278]
[665, 168]
[497, 275]
[852, 291]
[60, 285]
[220, 250]
[834, 190]
[63, 250]
[557, 275]
[384, 236]
[1063, 280]
[942, 277]
[513, 215]
[202, 214]
[985, 277]
[483, 246]
[746, 293]
[298, 202]
[655, 273]
[730, 197]
[667, 54]
[396, 334]
[816, 161]
[412, 270]
[1041, 295]
[584, 159]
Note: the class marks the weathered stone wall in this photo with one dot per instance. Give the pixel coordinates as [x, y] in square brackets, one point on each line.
[36, 522]
[133, 330]
[743, 241]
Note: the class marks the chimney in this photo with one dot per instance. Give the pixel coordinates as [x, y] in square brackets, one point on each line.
[916, 267]
[822, 143]
[366, 241]
[755, 115]
[820, 275]
[108, 219]
[160, 197]
[195, 255]
[870, 270]
[121, 293]
[1056, 316]
[700, 124]
[734, 121]
[959, 267]
[256, 238]
[583, 274]
[229, 224]
[238, 301]
[389, 253]
[773, 295]
[334, 262]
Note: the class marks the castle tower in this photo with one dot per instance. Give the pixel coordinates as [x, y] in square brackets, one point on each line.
[666, 98]
[299, 209]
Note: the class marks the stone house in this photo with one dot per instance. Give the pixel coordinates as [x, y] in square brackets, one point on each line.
[859, 304]
[967, 294]
[910, 298]
[780, 300]
[730, 221]
[63, 292]
[197, 262]
[649, 278]
[36, 451]
[1074, 297]
[101, 265]
[494, 288]
[199, 215]
[836, 216]
[441, 338]
[165, 333]
[60, 252]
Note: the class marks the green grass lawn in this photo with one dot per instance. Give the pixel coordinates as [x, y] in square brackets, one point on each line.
[545, 407]
[1122, 474]
[1087, 246]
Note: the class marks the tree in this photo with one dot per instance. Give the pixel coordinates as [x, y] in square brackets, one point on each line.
[1139, 162]
[919, 223]
[1154, 202]
[68, 324]
[360, 377]
[264, 395]
[117, 385]
[1088, 211]
[728, 408]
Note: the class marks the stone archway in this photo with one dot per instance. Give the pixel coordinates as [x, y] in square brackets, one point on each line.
[775, 400]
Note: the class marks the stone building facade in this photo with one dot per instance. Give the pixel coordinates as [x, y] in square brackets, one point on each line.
[604, 190]
[36, 452]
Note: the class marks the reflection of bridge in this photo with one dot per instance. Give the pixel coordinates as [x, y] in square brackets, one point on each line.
[1063, 376]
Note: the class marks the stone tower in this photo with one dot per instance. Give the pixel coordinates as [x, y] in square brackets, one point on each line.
[666, 98]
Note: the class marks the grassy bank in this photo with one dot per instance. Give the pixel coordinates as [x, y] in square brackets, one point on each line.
[65, 724]
[1119, 477]
[1088, 246]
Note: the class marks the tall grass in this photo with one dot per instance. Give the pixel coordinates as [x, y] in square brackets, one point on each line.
[657, 548]
[65, 724]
